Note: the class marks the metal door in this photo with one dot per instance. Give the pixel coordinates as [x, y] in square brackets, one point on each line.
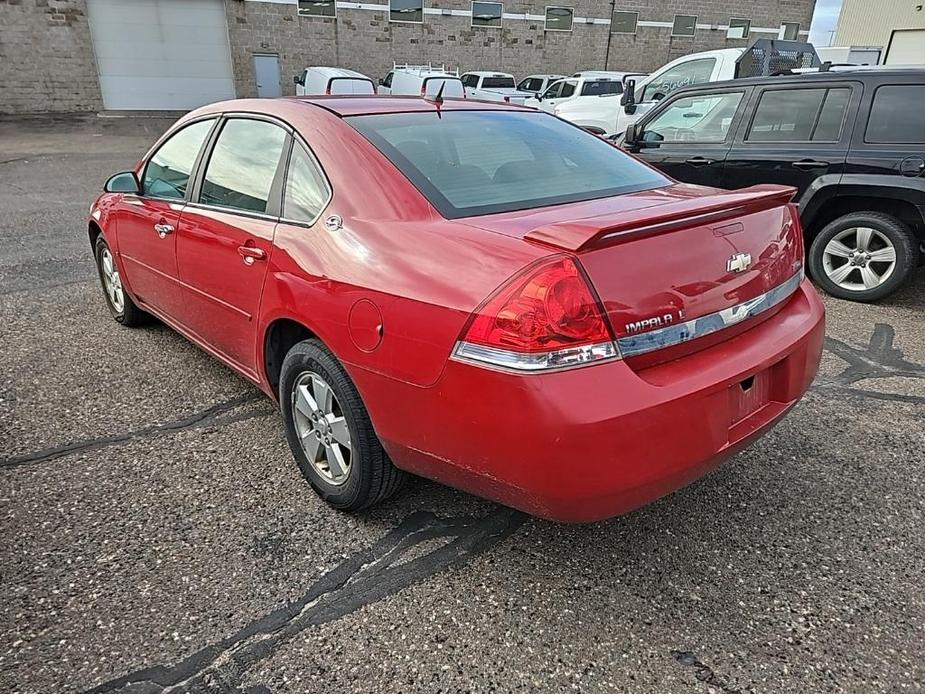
[266, 70]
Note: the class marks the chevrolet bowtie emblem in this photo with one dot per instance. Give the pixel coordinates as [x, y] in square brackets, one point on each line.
[740, 262]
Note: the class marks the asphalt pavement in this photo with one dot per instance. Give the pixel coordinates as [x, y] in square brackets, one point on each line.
[155, 534]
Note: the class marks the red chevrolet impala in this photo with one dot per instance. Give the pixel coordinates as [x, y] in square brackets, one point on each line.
[477, 293]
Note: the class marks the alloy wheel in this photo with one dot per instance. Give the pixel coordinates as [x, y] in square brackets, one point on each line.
[859, 258]
[321, 427]
[112, 282]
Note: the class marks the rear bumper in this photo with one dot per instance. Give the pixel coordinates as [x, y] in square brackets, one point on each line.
[591, 443]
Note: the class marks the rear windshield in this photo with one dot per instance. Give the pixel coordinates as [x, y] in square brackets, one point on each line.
[497, 83]
[468, 163]
[452, 86]
[602, 87]
[350, 85]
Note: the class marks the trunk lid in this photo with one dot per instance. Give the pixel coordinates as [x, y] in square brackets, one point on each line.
[679, 276]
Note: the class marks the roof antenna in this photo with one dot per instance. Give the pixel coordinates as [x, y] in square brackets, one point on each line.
[438, 97]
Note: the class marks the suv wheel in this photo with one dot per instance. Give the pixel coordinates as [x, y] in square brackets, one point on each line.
[330, 433]
[863, 256]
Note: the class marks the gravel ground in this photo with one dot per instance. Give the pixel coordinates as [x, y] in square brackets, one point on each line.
[155, 534]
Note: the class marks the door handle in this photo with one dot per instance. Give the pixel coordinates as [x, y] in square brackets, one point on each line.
[163, 229]
[251, 253]
[809, 164]
[699, 161]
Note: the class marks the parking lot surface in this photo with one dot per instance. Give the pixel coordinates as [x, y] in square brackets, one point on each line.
[156, 535]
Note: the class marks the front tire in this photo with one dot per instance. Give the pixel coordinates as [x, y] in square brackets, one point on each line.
[120, 304]
[863, 256]
[330, 433]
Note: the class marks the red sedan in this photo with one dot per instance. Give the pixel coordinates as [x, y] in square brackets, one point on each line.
[477, 293]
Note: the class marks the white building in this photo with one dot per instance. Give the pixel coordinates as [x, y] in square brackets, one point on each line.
[896, 26]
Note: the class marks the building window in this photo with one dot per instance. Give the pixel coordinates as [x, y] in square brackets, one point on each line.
[684, 25]
[738, 28]
[624, 22]
[559, 18]
[789, 31]
[406, 11]
[487, 14]
[317, 8]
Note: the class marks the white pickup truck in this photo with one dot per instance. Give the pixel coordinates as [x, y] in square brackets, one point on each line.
[579, 98]
[492, 86]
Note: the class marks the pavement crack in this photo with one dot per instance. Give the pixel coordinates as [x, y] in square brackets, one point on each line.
[704, 673]
[364, 578]
[207, 416]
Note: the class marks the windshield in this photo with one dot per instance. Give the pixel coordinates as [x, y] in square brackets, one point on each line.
[468, 163]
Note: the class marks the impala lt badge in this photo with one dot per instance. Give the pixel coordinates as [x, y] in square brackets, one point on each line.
[740, 262]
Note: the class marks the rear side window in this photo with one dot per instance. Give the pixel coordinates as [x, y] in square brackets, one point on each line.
[168, 171]
[799, 115]
[479, 162]
[896, 115]
[602, 87]
[307, 189]
[243, 165]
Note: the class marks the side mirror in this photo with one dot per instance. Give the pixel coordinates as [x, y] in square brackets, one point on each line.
[633, 136]
[122, 182]
[296, 79]
[381, 82]
[628, 100]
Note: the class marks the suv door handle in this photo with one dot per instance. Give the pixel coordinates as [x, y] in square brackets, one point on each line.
[251, 253]
[809, 164]
[699, 161]
[163, 229]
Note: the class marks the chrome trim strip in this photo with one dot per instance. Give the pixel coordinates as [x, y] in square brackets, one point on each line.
[634, 345]
[507, 360]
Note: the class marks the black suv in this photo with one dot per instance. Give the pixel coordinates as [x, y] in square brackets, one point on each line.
[851, 141]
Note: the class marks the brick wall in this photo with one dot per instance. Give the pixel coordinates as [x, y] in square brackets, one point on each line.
[46, 57]
[366, 41]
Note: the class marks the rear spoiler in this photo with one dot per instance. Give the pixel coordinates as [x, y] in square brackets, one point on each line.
[702, 209]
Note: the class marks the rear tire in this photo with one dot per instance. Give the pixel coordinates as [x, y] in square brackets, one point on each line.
[863, 256]
[120, 304]
[330, 433]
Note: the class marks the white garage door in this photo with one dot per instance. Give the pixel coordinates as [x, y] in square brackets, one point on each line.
[907, 47]
[161, 54]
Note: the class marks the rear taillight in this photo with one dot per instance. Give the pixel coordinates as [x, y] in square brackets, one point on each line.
[544, 318]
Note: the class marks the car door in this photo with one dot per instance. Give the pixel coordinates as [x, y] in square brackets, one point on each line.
[891, 140]
[385, 84]
[795, 134]
[688, 136]
[226, 235]
[553, 95]
[146, 223]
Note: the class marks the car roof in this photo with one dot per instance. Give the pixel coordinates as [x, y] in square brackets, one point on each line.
[840, 75]
[489, 73]
[349, 105]
[336, 72]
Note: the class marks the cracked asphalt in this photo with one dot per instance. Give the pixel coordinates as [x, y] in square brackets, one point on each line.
[155, 534]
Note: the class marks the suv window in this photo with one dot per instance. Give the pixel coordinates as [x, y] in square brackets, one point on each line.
[896, 115]
[243, 165]
[683, 75]
[601, 87]
[307, 189]
[698, 119]
[514, 160]
[799, 115]
[168, 170]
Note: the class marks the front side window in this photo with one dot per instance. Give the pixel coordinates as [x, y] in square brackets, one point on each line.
[243, 165]
[559, 18]
[487, 14]
[599, 88]
[471, 81]
[406, 11]
[738, 28]
[799, 115]
[624, 22]
[554, 90]
[684, 75]
[684, 25]
[307, 189]
[568, 89]
[468, 163]
[168, 171]
[789, 31]
[896, 115]
[697, 119]
[531, 84]
[317, 8]
[387, 82]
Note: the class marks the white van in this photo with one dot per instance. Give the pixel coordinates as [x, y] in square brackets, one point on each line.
[422, 80]
[332, 80]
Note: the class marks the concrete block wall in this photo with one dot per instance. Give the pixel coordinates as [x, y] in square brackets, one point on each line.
[46, 57]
